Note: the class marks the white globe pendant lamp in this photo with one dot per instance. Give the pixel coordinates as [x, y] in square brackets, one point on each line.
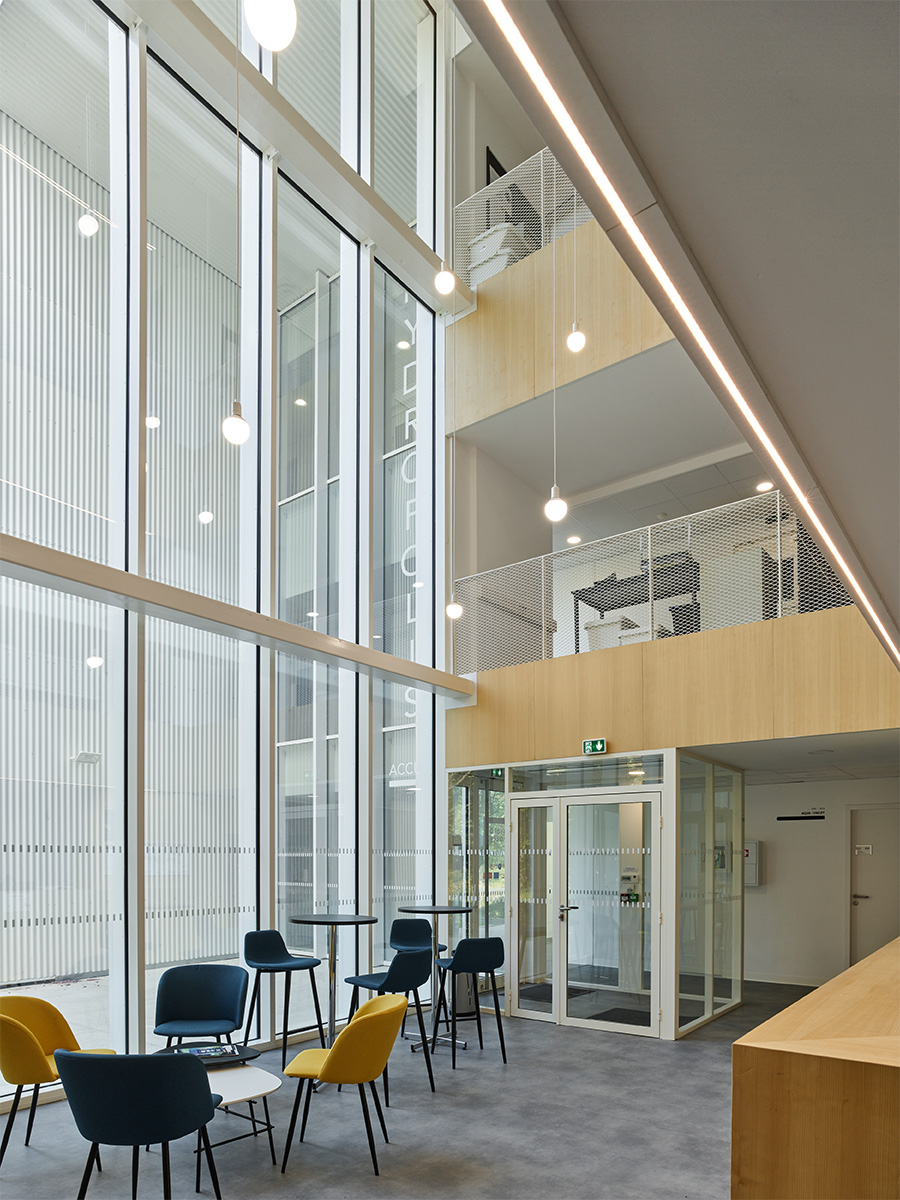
[576, 339]
[445, 280]
[234, 428]
[454, 608]
[272, 22]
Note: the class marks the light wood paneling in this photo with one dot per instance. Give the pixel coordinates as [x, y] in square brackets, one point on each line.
[816, 1092]
[832, 674]
[588, 695]
[797, 676]
[500, 727]
[706, 687]
[503, 352]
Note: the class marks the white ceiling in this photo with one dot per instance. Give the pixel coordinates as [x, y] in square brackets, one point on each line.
[653, 413]
[830, 757]
[759, 144]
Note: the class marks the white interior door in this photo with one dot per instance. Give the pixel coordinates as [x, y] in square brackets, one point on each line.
[874, 882]
[585, 910]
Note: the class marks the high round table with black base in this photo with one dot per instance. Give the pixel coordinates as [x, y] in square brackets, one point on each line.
[332, 920]
[437, 910]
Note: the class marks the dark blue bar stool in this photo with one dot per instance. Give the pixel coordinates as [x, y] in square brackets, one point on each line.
[266, 953]
[473, 956]
[407, 972]
[412, 934]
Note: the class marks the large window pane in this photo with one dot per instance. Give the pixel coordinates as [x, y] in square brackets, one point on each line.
[404, 516]
[61, 806]
[316, 818]
[200, 806]
[62, 277]
[200, 488]
[403, 118]
[309, 73]
[316, 385]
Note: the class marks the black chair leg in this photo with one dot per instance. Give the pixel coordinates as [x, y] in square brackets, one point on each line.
[197, 1163]
[497, 1011]
[285, 1026]
[354, 1002]
[453, 1028]
[310, 1088]
[167, 1172]
[442, 1000]
[365, 1108]
[9, 1120]
[291, 1126]
[32, 1111]
[254, 996]
[89, 1166]
[477, 1012]
[135, 1165]
[312, 980]
[424, 1036]
[213, 1173]
[403, 1026]
[378, 1109]
[387, 1094]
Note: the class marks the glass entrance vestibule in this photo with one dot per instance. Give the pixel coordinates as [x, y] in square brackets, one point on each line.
[618, 886]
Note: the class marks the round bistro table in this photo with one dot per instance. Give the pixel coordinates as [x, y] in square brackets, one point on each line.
[437, 910]
[332, 920]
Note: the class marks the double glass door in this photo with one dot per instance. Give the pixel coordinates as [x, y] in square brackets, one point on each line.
[585, 910]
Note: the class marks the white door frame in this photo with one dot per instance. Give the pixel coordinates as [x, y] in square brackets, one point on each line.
[558, 804]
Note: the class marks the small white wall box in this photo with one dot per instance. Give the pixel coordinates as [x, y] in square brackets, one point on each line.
[751, 864]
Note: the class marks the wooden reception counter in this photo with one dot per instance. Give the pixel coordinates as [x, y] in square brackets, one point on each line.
[816, 1092]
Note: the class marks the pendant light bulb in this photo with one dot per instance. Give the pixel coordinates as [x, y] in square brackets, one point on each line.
[234, 428]
[88, 225]
[445, 280]
[555, 508]
[454, 608]
[272, 22]
[576, 339]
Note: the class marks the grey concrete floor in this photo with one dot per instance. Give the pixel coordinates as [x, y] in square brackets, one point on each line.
[575, 1114]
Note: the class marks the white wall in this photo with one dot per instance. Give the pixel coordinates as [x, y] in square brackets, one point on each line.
[796, 923]
[499, 519]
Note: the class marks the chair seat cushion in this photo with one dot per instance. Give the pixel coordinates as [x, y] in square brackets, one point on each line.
[373, 982]
[194, 1028]
[409, 947]
[287, 962]
[307, 1064]
[444, 963]
[216, 1099]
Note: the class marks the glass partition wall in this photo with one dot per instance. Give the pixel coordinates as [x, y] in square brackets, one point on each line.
[616, 882]
[167, 786]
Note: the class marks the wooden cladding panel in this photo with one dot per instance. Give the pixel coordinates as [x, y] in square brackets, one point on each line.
[588, 695]
[814, 673]
[832, 674]
[502, 718]
[709, 687]
[502, 354]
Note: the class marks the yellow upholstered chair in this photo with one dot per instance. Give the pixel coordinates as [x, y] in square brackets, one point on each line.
[30, 1031]
[359, 1055]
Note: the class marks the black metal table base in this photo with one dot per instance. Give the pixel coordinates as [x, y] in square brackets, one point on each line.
[259, 1126]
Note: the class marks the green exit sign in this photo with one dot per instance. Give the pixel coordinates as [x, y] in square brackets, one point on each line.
[594, 746]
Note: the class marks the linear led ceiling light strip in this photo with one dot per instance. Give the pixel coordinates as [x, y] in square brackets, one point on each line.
[549, 95]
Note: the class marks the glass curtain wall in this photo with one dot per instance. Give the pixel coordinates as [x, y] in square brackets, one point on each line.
[710, 935]
[118, 457]
[403, 39]
[403, 601]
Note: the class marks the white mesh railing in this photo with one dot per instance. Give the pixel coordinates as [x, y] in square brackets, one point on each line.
[527, 208]
[743, 562]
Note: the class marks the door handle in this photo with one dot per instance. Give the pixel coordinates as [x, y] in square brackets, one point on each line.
[856, 896]
[564, 908]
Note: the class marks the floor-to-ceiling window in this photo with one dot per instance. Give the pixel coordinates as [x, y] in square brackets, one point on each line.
[174, 777]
